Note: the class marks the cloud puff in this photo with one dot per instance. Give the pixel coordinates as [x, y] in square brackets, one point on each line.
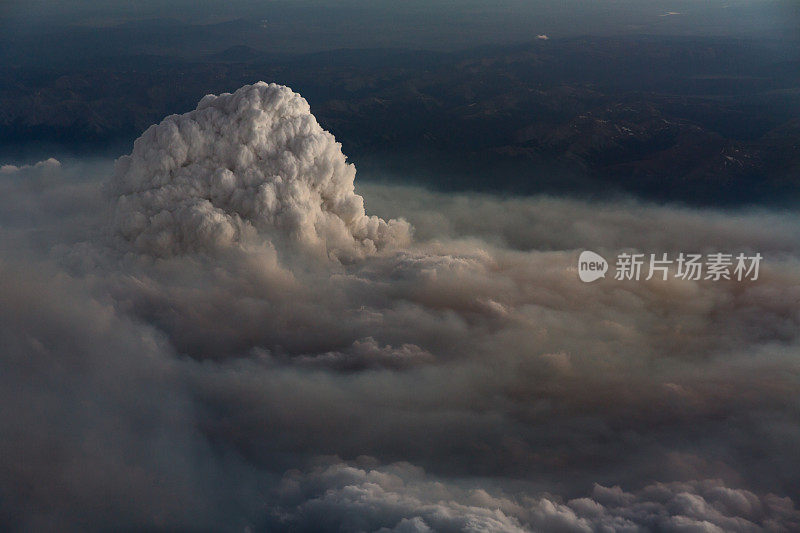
[255, 162]
[51, 163]
[400, 497]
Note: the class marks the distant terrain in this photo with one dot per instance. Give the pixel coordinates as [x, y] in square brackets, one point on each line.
[693, 119]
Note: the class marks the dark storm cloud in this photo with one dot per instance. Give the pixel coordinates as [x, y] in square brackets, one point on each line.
[167, 374]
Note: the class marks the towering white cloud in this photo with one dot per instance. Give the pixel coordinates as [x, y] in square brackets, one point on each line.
[241, 167]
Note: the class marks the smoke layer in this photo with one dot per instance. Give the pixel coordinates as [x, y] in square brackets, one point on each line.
[295, 364]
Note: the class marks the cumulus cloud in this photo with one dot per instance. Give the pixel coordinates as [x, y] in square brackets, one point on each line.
[50, 163]
[258, 319]
[255, 162]
[400, 497]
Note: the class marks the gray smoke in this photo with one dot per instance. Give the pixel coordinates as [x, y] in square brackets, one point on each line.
[248, 348]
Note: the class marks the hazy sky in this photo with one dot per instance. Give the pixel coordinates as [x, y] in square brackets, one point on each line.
[436, 24]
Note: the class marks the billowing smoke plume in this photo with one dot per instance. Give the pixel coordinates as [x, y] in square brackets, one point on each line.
[242, 166]
[465, 381]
